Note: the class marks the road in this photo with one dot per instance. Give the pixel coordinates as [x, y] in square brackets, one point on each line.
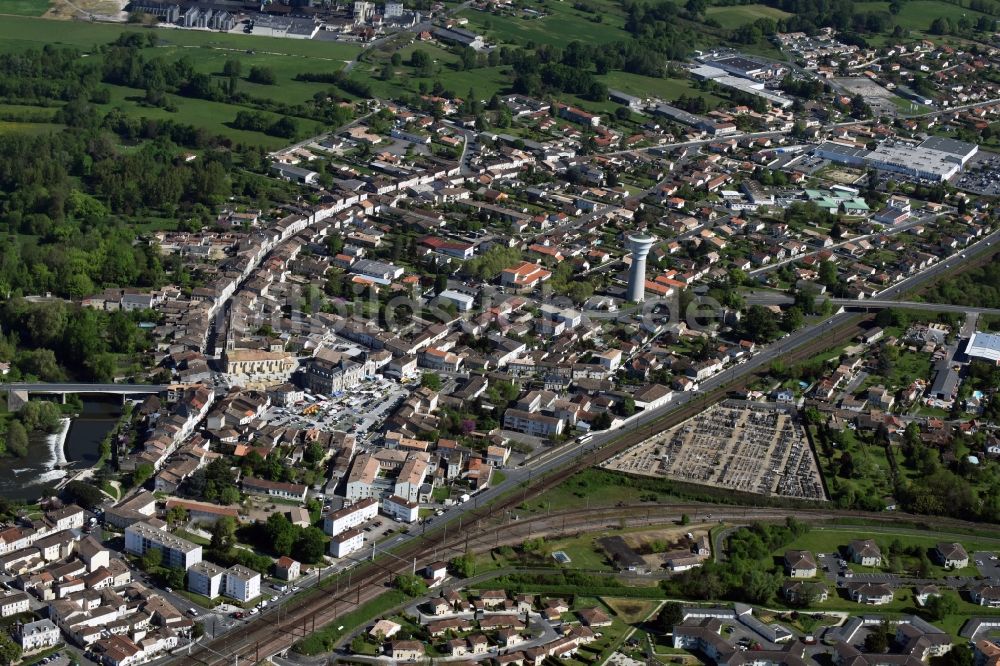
[887, 298]
[871, 304]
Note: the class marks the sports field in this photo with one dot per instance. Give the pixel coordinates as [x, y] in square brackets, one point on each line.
[737, 15]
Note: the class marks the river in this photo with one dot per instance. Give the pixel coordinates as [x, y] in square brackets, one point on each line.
[51, 457]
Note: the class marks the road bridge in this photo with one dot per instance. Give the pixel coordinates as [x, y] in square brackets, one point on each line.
[18, 393]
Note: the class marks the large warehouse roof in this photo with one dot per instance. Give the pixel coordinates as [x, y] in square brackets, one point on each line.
[985, 346]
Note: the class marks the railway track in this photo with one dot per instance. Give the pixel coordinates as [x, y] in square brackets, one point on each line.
[276, 632]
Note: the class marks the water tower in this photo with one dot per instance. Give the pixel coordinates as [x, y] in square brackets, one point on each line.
[640, 245]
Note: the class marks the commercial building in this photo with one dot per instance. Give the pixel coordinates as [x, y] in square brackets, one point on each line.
[935, 159]
[177, 552]
[460, 37]
[914, 161]
[294, 173]
[984, 347]
[463, 302]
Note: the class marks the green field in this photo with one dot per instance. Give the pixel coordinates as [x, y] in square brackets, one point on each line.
[19, 32]
[666, 89]
[213, 116]
[208, 51]
[737, 15]
[561, 26]
[918, 14]
[24, 7]
[11, 127]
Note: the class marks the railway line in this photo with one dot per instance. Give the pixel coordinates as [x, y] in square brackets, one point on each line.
[278, 630]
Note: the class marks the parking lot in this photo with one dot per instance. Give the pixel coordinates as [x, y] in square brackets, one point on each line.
[360, 411]
[981, 175]
[987, 563]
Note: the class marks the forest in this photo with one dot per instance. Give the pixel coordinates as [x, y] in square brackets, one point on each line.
[977, 287]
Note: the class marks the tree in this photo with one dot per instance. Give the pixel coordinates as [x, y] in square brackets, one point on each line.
[261, 75]
[229, 495]
[232, 68]
[143, 472]
[223, 535]
[17, 439]
[431, 380]
[670, 616]
[10, 652]
[760, 324]
[685, 519]
[960, 655]
[84, 494]
[877, 640]
[177, 515]
[465, 565]
[310, 545]
[792, 319]
[151, 559]
[359, 643]
[280, 533]
[940, 606]
[410, 585]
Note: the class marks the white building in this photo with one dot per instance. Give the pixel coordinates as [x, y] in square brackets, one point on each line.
[984, 347]
[241, 583]
[351, 516]
[12, 604]
[38, 635]
[401, 509]
[206, 579]
[464, 302]
[177, 552]
[347, 542]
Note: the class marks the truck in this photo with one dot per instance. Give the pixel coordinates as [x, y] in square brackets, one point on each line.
[464, 497]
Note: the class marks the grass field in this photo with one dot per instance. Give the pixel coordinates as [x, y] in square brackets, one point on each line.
[10, 127]
[208, 51]
[918, 14]
[631, 610]
[19, 32]
[562, 25]
[737, 15]
[24, 7]
[213, 116]
[667, 89]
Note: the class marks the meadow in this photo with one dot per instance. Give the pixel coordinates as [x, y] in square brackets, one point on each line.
[919, 14]
[734, 17]
[24, 7]
[562, 25]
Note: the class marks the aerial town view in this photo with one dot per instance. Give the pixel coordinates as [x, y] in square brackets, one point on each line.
[500, 332]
